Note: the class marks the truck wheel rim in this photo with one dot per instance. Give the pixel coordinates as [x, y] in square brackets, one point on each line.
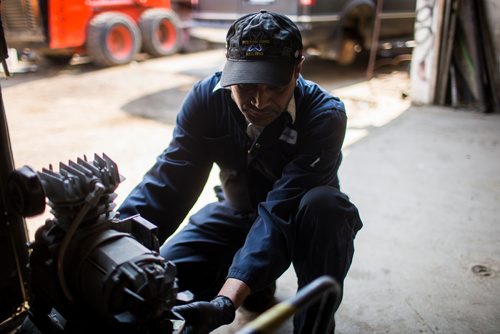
[120, 42]
[166, 34]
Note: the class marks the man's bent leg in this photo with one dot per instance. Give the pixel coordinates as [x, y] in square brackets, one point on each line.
[204, 249]
[326, 224]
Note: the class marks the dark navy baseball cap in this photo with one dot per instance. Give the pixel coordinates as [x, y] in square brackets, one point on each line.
[261, 48]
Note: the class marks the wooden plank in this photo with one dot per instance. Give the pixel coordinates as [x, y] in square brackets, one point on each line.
[492, 74]
[469, 21]
[448, 42]
[442, 75]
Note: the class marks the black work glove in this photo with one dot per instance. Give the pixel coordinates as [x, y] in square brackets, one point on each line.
[204, 317]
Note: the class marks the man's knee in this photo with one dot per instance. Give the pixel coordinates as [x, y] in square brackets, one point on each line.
[324, 200]
[328, 205]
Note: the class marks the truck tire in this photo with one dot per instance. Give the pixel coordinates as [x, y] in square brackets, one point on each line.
[161, 34]
[112, 39]
[348, 52]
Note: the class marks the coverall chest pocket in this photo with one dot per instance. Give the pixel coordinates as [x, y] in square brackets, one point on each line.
[271, 158]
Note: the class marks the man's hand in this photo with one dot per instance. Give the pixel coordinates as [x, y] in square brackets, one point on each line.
[204, 317]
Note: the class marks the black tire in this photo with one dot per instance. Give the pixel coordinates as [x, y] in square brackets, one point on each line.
[161, 33]
[347, 53]
[112, 39]
[350, 48]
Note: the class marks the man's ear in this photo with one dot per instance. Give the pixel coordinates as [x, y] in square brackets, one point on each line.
[298, 68]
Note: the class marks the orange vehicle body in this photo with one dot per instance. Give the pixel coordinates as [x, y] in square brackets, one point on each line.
[110, 32]
[68, 19]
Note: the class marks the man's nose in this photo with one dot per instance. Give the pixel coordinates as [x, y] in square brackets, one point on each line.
[261, 97]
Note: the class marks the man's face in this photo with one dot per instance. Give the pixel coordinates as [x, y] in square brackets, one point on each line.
[261, 104]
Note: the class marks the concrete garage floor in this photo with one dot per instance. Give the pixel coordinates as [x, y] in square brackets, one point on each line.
[428, 258]
[426, 181]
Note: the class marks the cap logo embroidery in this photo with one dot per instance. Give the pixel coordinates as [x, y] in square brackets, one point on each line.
[255, 50]
[255, 41]
[255, 45]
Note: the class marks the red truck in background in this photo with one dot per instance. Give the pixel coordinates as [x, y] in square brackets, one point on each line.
[110, 32]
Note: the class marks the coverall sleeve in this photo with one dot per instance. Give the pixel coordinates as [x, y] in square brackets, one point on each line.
[170, 188]
[267, 251]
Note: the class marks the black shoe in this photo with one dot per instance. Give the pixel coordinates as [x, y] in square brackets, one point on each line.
[262, 300]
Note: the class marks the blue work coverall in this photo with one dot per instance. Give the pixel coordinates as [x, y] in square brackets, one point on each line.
[279, 203]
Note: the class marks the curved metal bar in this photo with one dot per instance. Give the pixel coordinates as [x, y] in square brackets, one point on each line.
[272, 319]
